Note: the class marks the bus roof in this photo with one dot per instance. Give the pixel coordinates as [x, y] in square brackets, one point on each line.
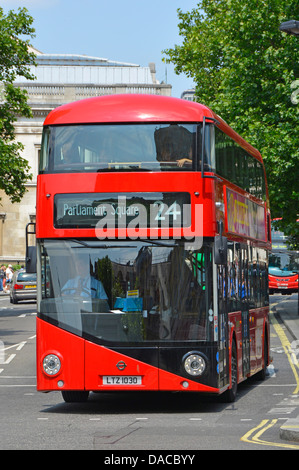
[133, 108]
[128, 108]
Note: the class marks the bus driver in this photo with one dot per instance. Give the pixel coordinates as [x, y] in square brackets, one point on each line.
[84, 284]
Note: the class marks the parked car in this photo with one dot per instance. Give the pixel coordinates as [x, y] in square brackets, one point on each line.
[23, 286]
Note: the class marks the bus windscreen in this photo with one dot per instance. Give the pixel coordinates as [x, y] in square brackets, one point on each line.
[119, 147]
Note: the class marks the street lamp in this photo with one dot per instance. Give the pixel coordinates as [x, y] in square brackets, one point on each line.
[290, 27]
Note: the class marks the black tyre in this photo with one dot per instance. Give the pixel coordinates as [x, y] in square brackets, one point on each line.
[261, 375]
[74, 396]
[230, 394]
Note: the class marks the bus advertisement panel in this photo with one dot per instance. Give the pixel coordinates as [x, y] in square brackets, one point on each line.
[245, 217]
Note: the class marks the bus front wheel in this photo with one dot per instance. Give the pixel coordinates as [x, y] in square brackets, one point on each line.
[74, 396]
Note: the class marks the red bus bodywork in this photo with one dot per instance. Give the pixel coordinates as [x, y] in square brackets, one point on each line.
[285, 283]
[83, 362]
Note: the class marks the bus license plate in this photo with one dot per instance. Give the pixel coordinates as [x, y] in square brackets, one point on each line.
[122, 380]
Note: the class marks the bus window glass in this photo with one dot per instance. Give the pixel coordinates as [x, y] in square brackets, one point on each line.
[212, 161]
[44, 153]
[132, 292]
[119, 147]
[209, 151]
[238, 166]
[283, 262]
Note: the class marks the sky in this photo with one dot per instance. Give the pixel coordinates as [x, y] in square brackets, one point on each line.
[134, 31]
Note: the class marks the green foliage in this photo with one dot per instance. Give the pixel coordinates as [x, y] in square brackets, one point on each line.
[244, 68]
[15, 59]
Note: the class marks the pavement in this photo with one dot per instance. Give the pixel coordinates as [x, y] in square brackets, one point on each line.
[287, 311]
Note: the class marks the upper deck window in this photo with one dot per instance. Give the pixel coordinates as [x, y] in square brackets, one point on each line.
[120, 147]
[238, 166]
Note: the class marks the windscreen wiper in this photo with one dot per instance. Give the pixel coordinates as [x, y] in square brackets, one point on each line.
[158, 242]
[104, 247]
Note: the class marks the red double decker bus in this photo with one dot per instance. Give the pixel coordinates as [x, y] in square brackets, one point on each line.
[153, 231]
[283, 264]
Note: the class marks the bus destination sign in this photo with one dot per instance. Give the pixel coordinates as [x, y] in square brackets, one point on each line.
[122, 210]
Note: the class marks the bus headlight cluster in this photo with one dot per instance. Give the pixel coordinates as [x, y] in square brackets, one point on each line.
[194, 364]
[51, 364]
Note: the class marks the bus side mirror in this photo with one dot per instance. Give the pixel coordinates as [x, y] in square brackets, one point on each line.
[30, 249]
[220, 249]
[31, 259]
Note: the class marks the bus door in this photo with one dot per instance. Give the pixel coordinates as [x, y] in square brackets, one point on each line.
[242, 279]
[220, 305]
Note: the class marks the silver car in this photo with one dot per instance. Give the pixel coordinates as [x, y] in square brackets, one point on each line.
[23, 286]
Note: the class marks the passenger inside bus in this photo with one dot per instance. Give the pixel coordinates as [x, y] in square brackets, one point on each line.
[185, 161]
[175, 144]
[70, 153]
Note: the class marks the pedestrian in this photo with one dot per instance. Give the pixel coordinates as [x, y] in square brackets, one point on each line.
[9, 274]
[2, 276]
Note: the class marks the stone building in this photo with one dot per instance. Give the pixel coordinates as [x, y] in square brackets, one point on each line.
[61, 79]
[188, 95]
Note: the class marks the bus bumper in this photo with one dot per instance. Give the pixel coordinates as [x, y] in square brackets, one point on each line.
[88, 366]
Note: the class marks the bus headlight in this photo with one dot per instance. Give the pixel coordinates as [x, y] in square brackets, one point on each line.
[51, 364]
[194, 364]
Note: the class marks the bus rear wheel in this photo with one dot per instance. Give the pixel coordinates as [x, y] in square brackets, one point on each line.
[261, 375]
[74, 396]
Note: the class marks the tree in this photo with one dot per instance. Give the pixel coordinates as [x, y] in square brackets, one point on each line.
[245, 69]
[15, 59]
